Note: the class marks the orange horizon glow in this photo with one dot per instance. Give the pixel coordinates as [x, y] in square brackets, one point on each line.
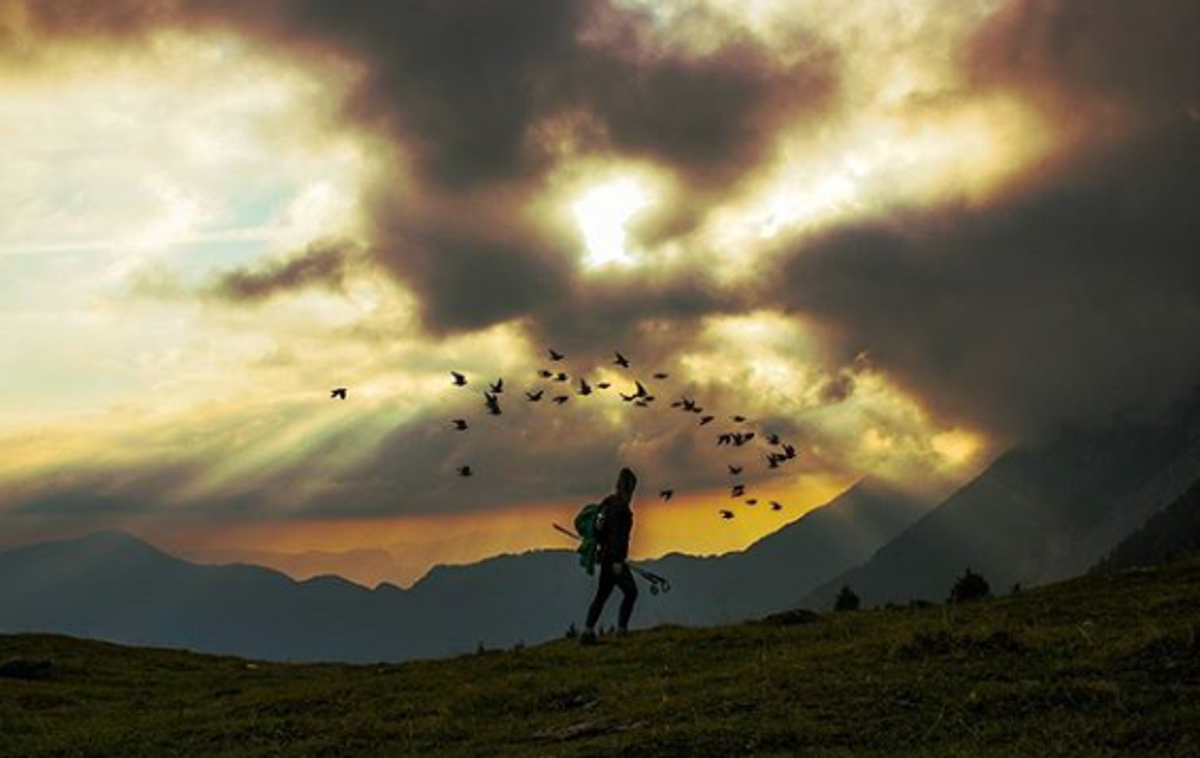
[687, 524]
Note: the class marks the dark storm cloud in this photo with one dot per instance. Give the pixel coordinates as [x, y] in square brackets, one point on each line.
[463, 81]
[1059, 305]
[321, 264]
[1141, 55]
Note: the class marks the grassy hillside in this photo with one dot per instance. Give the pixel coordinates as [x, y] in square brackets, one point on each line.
[1105, 665]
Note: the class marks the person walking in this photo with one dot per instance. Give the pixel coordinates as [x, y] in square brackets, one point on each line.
[613, 528]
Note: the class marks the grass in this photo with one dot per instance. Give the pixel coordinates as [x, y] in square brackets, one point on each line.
[1104, 665]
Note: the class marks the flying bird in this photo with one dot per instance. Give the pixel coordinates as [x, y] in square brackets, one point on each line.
[706, 420]
[752, 501]
[337, 394]
[460, 424]
[459, 379]
[661, 375]
[774, 459]
[535, 396]
[498, 387]
[735, 470]
[621, 361]
[555, 356]
[584, 387]
[737, 490]
[725, 514]
[562, 399]
[789, 451]
[560, 377]
[603, 385]
[776, 506]
[492, 402]
[740, 439]
[464, 471]
[738, 419]
[666, 495]
[724, 438]
[545, 373]
[773, 439]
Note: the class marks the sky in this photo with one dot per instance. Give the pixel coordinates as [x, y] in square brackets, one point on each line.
[904, 235]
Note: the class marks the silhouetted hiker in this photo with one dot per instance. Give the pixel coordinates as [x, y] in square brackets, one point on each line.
[614, 524]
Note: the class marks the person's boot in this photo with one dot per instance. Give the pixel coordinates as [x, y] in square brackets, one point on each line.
[589, 637]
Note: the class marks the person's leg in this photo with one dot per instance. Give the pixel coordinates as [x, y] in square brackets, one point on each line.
[603, 590]
[629, 595]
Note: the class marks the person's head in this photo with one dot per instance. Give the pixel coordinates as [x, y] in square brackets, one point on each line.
[626, 483]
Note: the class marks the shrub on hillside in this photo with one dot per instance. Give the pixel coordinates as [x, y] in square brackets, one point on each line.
[847, 600]
[970, 586]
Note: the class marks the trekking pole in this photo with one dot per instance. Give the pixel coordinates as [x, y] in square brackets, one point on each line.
[657, 582]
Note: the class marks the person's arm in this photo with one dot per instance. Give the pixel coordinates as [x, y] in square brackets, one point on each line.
[623, 528]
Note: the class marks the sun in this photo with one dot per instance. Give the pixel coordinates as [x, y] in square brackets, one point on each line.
[603, 213]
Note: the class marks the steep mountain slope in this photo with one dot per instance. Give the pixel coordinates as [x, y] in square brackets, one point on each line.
[1036, 514]
[1169, 534]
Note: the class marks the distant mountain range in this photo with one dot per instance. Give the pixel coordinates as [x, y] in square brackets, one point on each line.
[112, 586]
[1037, 514]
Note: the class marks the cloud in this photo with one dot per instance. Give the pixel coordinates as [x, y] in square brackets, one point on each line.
[1066, 298]
[320, 264]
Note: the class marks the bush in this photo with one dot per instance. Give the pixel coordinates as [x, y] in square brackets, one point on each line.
[970, 586]
[847, 600]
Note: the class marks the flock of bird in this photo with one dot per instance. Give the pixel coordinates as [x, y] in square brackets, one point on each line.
[777, 453]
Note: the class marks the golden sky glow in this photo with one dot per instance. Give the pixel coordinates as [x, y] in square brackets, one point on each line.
[134, 180]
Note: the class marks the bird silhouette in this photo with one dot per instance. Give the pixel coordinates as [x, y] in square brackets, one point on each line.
[751, 501]
[789, 451]
[498, 387]
[545, 373]
[621, 361]
[738, 419]
[535, 396]
[774, 459]
[642, 403]
[561, 376]
[464, 471]
[735, 470]
[727, 515]
[603, 385]
[773, 439]
[661, 375]
[555, 356]
[776, 506]
[562, 399]
[459, 379]
[705, 420]
[460, 424]
[666, 495]
[492, 402]
[337, 394]
[737, 490]
[740, 439]
[584, 387]
[724, 438]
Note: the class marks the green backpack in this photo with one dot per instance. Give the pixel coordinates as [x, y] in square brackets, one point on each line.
[585, 527]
